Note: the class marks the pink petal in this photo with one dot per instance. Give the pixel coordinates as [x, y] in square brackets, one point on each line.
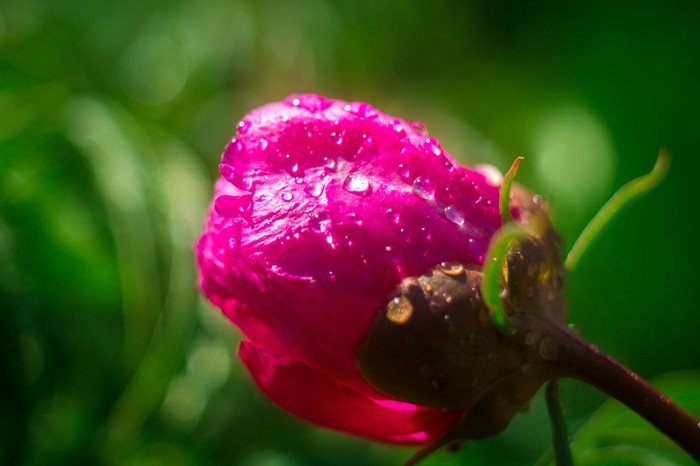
[317, 398]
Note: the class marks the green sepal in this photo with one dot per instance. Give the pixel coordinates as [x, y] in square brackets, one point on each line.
[493, 264]
[504, 199]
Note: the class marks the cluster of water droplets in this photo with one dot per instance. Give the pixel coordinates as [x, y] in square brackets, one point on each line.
[305, 162]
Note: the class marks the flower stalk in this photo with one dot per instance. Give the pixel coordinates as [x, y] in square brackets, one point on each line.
[580, 360]
[560, 435]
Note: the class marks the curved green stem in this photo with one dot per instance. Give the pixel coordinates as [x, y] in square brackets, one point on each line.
[560, 435]
[623, 196]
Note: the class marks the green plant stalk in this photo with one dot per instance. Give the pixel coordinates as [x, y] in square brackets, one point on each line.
[622, 197]
[580, 360]
[560, 435]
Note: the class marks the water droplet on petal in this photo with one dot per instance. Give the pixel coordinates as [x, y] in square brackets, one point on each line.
[320, 222]
[404, 172]
[243, 126]
[226, 171]
[392, 215]
[357, 183]
[454, 215]
[234, 206]
[433, 145]
[398, 129]
[263, 143]
[424, 187]
[237, 145]
[361, 110]
[419, 126]
[329, 163]
[287, 196]
[399, 310]
[296, 101]
[314, 189]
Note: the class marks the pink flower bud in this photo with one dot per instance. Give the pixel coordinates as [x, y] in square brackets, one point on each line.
[324, 207]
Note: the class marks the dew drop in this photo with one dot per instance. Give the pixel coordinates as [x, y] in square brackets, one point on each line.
[452, 269]
[361, 110]
[287, 196]
[243, 126]
[419, 126]
[234, 206]
[388, 248]
[245, 183]
[398, 129]
[227, 171]
[530, 338]
[314, 189]
[296, 102]
[404, 172]
[454, 215]
[357, 183]
[537, 199]
[548, 349]
[329, 164]
[337, 138]
[433, 145]
[393, 216]
[424, 187]
[320, 222]
[238, 146]
[399, 310]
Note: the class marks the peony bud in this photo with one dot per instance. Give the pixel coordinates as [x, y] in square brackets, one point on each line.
[324, 207]
[349, 248]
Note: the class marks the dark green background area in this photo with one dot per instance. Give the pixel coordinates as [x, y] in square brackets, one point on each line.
[113, 116]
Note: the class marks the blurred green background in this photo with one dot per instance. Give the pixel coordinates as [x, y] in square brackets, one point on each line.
[113, 116]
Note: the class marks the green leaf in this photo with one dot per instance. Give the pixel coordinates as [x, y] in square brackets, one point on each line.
[615, 435]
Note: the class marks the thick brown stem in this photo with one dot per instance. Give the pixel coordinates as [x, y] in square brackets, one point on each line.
[581, 360]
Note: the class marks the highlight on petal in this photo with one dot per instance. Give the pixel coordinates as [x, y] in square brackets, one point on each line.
[317, 398]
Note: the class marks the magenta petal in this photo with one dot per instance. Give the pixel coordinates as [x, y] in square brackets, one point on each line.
[317, 398]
